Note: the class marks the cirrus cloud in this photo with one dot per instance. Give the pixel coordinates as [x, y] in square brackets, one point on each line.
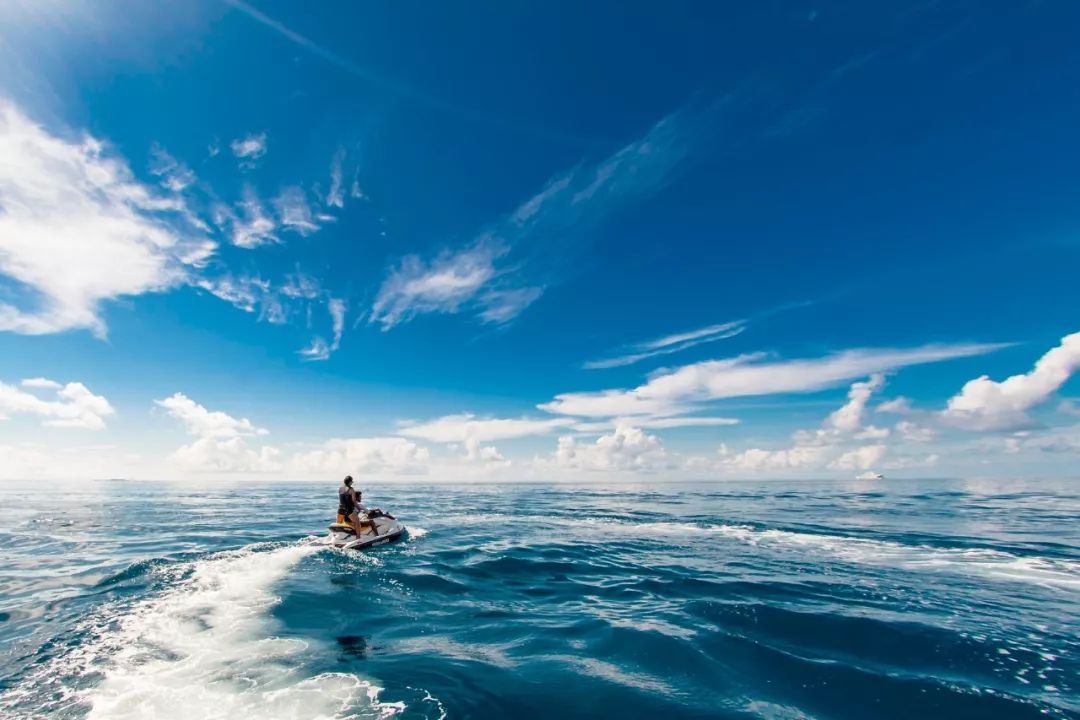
[482, 277]
[671, 344]
[671, 392]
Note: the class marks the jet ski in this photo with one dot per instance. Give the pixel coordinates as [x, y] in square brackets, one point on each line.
[343, 534]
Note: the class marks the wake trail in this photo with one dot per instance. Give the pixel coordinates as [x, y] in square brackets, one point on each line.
[205, 648]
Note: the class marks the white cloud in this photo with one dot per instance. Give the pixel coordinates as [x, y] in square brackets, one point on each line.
[221, 439]
[244, 291]
[914, 432]
[254, 227]
[872, 433]
[1013, 444]
[355, 191]
[77, 230]
[671, 392]
[199, 421]
[226, 455]
[627, 448]
[671, 344]
[612, 403]
[19, 462]
[624, 446]
[337, 456]
[487, 455]
[694, 335]
[249, 148]
[74, 407]
[861, 458]
[755, 459]
[828, 446]
[319, 348]
[301, 286]
[643, 164]
[41, 384]
[540, 228]
[336, 196]
[465, 427]
[849, 418]
[248, 293]
[909, 462]
[1061, 440]
[337, 309]
[532, 206]
[503, 305]
[36, 461]
[655, 423]
[294, 212]
[1069, 407]
[277, 304]
[898, 406]
[175, 175]
[441, 286]
[984, 404]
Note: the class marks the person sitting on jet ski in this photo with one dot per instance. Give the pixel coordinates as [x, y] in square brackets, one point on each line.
[349, 506]
[373, 512]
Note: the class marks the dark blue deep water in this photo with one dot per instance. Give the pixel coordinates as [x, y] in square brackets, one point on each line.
[942, 599]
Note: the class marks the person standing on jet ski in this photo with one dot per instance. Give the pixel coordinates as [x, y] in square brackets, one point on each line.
[349, 506]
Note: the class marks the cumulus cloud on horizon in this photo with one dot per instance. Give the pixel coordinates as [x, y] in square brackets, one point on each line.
[221, 439]
[392, 455]
[984, 404]
[74, 405]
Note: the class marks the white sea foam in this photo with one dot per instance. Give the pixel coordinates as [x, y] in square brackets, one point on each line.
[417, 532]
[614, 674]
[993, 564]
[990, 564]
[206, 648]
[773, 711]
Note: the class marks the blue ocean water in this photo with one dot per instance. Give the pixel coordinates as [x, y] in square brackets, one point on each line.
[794, 600]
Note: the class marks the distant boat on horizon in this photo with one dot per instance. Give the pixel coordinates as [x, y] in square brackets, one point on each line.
[870, 476]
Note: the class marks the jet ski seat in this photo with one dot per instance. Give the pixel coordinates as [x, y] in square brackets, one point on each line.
[343, 525]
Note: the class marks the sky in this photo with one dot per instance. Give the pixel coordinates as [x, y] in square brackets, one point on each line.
[539, 241]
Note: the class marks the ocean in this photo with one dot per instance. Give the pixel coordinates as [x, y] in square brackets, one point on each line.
[780, 600]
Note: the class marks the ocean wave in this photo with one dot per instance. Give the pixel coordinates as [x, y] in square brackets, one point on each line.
[991, 564]
[206, 648]
[1061, 573]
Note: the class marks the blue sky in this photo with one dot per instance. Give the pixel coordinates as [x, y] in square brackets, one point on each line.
[687, 240]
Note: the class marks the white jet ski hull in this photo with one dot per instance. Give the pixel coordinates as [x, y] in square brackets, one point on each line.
[389, 530]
